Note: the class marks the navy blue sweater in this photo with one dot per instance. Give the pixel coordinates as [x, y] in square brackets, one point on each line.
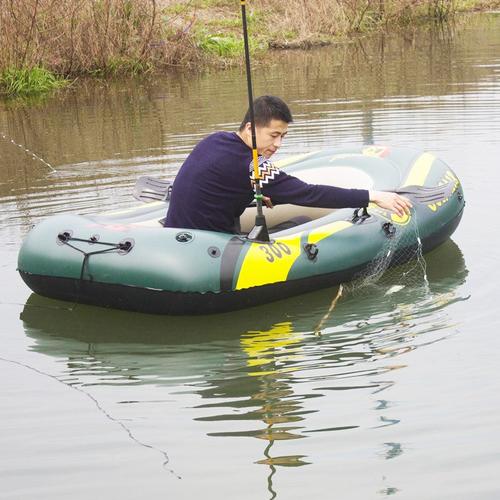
[214, 187]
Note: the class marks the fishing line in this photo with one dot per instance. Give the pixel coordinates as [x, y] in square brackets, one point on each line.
[29, 152]
[100, 408]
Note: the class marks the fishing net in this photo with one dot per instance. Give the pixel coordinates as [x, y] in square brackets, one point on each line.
[397, 274]
[399, 264]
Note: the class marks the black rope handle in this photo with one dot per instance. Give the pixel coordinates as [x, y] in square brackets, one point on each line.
[123, 247]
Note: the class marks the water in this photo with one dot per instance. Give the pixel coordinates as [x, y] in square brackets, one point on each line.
[394, 393]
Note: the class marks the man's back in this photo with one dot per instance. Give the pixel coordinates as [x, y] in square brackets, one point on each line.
[213, 185]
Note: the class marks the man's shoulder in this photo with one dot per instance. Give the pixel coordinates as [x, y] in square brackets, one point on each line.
[221, 136]
[221, 143]
[222, 148]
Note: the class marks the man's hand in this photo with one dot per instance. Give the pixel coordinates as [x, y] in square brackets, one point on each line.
[391, 201]
[267, 201]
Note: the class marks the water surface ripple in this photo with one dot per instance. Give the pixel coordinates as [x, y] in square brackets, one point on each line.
[390, 393]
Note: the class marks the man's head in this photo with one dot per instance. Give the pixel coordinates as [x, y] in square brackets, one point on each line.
[272, 117]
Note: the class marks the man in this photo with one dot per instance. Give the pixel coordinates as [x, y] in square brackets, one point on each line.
[214, 185]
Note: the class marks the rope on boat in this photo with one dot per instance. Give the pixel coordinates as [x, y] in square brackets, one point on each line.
[123, 247]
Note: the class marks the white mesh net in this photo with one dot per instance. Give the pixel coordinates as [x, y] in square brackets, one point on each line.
[399, 264]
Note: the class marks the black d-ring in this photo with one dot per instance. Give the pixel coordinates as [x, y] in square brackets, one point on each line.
[360, 215]
[389, 229]
[311, 251]
[64, 236]
[125, 246]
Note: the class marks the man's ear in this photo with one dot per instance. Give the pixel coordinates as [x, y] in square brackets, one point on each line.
[248, 127]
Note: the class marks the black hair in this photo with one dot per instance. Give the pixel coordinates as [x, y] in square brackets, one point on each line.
[267, 108]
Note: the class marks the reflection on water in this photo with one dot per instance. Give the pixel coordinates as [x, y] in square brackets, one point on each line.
[260, 383]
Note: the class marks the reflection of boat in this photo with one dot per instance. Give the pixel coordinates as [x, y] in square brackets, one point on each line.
[127, 260]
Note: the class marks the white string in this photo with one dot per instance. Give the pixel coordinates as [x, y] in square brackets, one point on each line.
[101, 409]
[26, 150]
[385, 259]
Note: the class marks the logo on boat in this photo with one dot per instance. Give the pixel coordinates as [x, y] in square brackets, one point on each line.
[376, 151]
[447, 178]
[389, 216]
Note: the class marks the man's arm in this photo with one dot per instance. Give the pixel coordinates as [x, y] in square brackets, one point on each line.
[284, 188]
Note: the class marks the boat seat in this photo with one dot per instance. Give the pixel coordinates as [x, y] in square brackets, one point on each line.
[288, 224]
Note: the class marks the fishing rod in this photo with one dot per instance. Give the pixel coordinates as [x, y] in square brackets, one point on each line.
[259, 232]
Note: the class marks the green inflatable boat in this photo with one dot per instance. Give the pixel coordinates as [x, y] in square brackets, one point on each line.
[128, 260]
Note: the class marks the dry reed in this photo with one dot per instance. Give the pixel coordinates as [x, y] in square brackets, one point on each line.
[71, 37]
[305, 22]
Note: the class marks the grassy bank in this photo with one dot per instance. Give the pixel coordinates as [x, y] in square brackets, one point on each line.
[29, 81]
[42, 41]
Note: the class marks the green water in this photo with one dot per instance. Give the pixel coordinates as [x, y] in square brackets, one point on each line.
[394, 393]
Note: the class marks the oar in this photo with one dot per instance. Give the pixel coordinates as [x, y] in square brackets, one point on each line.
[427, 195]
[259, 232]
[148, 189]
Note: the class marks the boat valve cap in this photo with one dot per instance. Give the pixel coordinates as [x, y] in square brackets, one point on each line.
[213, 252]
[184, 237]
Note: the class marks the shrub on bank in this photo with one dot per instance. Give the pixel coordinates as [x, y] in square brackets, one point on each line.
[70, 37]
[43, 38]
[296, 23]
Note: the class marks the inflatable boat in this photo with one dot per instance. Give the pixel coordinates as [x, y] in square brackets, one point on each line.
[127, 260]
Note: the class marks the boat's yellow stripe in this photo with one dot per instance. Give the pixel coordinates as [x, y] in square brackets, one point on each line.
[267, 263]
[420, 170]
[324, 231]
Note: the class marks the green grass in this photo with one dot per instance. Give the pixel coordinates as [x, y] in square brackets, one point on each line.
[227, 22]
[226, 46]
[28, 81]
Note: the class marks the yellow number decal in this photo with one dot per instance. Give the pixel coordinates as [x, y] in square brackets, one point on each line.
[268, 263]
[275, 250]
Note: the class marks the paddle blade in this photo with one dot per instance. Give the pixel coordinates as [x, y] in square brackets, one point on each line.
[427, 195]
[148, 189]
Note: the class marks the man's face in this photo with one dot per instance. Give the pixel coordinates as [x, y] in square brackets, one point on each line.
[270, 137]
